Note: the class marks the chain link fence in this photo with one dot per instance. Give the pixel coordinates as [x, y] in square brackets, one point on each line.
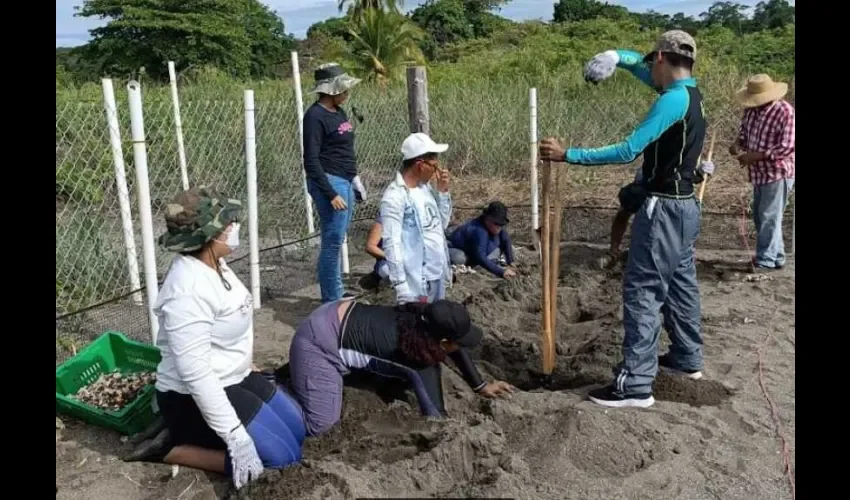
[486, 125]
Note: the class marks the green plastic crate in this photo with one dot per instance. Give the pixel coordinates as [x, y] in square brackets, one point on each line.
[109, 352]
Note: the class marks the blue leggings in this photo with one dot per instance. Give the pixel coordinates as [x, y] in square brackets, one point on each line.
[272, 418]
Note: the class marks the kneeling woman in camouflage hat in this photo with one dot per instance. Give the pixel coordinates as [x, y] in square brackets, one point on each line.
[220, 415]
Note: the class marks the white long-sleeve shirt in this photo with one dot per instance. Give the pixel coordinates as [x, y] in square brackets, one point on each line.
[206, 337]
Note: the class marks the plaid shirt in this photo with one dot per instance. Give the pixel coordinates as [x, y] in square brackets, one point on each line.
[770, 130]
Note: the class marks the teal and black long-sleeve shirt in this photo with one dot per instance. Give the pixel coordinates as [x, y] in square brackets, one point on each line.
[670, 137]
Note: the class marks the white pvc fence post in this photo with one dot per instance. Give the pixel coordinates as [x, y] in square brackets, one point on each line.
[251, 167]
[178, 125]
[140, 159]
[299, 105]
[121, 186]
[535, 208]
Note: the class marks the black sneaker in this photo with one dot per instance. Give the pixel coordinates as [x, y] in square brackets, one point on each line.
[607, 396]
[152, 450]
[665, 363]
[777, 267]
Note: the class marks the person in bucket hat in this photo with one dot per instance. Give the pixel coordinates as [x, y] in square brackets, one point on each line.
[660, 279]
[766, 146]
[219, 414]
[331, 168]
[484, 241]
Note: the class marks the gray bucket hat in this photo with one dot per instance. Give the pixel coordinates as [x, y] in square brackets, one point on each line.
[331, 79]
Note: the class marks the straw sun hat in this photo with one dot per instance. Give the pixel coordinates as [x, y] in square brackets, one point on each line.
[760, 90]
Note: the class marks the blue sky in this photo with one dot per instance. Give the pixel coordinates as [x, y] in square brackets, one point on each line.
[298, 15]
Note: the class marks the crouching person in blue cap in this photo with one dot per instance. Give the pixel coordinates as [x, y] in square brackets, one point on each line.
[219, 415]
[660, 277]
[407, 342]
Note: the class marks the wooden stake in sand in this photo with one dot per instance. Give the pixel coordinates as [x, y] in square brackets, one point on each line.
[546, 290]
[555, 265]
[708, 158]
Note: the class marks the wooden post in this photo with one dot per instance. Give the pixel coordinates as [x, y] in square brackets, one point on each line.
[699, 160]
[417, 100]
[546, 289]
[555, 266]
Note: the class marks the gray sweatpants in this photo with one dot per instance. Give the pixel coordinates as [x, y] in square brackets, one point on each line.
[660, 278]
[316, 369]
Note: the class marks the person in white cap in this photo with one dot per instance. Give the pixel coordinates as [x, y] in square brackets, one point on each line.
[415, 215]
[766, 146]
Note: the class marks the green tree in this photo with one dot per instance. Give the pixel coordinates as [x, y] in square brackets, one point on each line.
[686, 23]
[581, 10]
[384, 43]
[356, 8]
[444, 22]
[242, 37]
[773, 14]
[332, 27]
[727, 14]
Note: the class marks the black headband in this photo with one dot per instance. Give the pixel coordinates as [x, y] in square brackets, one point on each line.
[328, 73]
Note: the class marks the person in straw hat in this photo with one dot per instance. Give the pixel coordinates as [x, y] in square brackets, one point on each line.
[331, 168]
[660, 278]
[765, 145]
[219, 414]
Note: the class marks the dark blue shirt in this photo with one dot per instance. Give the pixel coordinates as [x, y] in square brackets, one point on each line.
[328, 147]
[477, 243]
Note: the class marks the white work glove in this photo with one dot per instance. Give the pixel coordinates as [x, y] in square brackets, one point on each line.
[602, 66]
[706, 167]
[359, 189]
[247, 465]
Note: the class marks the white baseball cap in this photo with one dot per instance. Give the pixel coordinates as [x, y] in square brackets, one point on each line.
[420, 144]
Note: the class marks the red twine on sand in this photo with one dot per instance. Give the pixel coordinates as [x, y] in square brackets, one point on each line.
[786, 452]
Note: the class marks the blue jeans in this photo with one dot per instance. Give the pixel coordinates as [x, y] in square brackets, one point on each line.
[769, 202]
[660, 277]
[333, 225]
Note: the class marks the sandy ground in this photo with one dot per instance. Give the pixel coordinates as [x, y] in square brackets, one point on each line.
[711, 439]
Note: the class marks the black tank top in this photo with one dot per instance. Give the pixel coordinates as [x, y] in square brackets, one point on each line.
[373, 330]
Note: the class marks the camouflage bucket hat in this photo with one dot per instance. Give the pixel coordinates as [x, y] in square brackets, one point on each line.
[677, 42]
[196, 216]
[331, 79]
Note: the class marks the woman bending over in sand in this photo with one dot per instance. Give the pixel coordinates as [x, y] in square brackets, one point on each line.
[220, 415]
[408, 341]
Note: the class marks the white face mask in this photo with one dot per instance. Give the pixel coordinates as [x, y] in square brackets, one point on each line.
[232, 240]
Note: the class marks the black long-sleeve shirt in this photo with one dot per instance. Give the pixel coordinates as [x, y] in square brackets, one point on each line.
[328, 147]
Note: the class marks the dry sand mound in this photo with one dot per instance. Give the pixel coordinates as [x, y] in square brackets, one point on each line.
[544, 442]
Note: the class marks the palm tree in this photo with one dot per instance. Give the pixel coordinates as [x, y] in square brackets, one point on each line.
[383, 44]
[358, 7]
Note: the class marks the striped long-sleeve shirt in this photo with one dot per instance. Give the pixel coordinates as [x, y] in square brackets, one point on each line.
[769, 129]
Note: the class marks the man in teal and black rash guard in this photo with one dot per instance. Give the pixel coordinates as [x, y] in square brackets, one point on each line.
[660, 274]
